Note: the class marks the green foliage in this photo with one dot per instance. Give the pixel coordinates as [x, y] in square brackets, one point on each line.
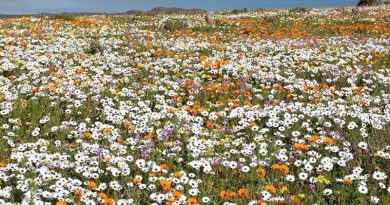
[239, 11]
[174, 10]
[298, 10]
[207, 19]
[94, 47]
[64, 16]
[173, 25]
[209, 29]
[366, 2]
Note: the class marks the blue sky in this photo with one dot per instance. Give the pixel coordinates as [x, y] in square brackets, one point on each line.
[54, 6]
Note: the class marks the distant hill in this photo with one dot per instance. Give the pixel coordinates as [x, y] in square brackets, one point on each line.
[175, 10]
[10, 16]
[134, 12]
[55, 14]
[166, 10]
[372, 2]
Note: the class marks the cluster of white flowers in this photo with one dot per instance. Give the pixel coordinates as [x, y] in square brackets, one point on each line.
[149, 117]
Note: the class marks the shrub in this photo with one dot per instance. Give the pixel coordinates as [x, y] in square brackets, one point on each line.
[299, 10]
[64, 16]
[208, 29]
[207, 18]
[239, 11]
[94, 47]
[366, 2]
[173, 25]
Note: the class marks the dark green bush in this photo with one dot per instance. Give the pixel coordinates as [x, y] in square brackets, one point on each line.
[94, 47]
[239, 11]
[64, 16]
[207, 19]
[372, 2]
[208, 29]
[173, 25]
[299, 10]
[366, 2]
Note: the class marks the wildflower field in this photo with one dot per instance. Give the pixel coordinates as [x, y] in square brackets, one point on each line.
[256, 107]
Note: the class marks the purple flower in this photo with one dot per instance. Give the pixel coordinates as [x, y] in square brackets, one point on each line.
[144, 154]
[216, 161]
[137, 137]
[229, 131]
[312, 186]
[100, 150]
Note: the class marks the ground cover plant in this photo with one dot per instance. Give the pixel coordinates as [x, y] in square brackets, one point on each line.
[245, 107]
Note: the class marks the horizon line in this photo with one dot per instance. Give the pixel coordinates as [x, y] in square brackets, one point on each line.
[145, 10]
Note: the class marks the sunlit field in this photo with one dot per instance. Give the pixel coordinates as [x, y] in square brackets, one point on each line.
[244, 107]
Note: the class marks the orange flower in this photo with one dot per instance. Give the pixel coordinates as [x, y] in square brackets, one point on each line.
[301, 147]
[313, 138]
[2, 165]
[176, 195]
[108, 202]
[78, 193]
[224, 194]
[282, 168]
[103, 195]
[150, 135]
[169, 201]
[107, 130]
[252, 124]
[243, 192]
[80, 70]
[178, 174]
[348, 181]
[325, 86]
[270, 188]
[328, 141]
[35, 90]
[275, 167]
[137, 180]
[165, 184]
[261, 171]
[88, 135]
[356, 92]
[71, 145]
[61, 203]
[295, 199]
[305, 88]
[107, 159]
[92, 185]
[217, 64]
[119, 139]
[164, 166]
[192, 201]
[282, 188]
[209, 124]
[168, 53]
[202, 58]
